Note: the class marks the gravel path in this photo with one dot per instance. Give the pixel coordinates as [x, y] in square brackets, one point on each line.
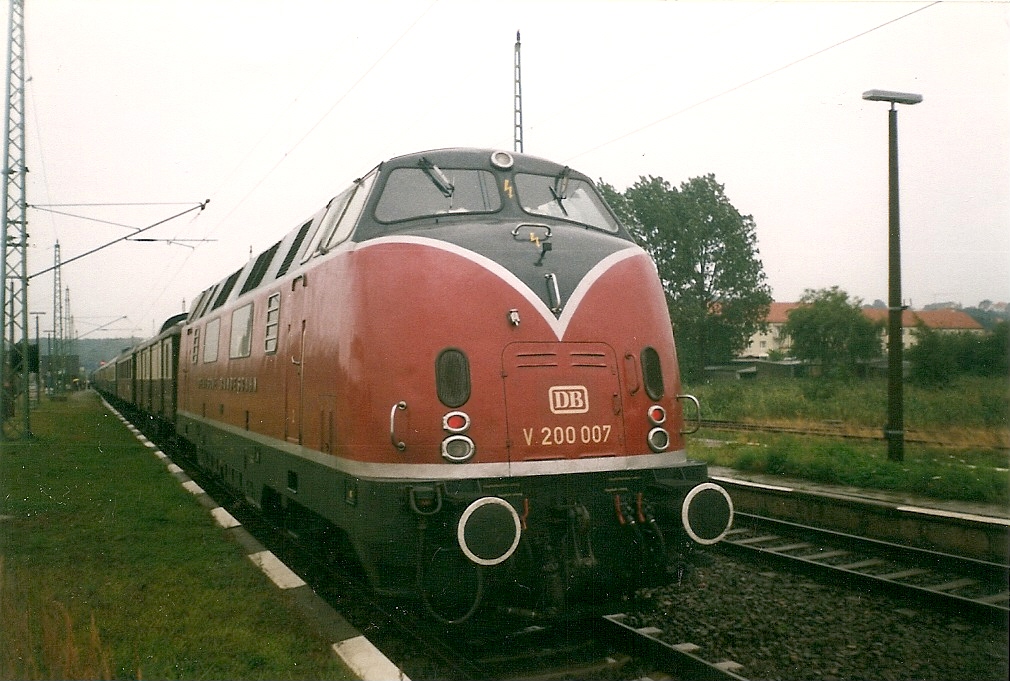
[781, 625]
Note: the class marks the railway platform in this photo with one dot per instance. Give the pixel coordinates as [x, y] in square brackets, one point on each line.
[90, 507]
[977, 531]
[894, 499]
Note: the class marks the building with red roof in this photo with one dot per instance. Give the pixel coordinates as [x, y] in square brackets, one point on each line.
[947, 320]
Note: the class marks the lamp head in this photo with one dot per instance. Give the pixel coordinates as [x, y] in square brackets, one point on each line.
[892, 97]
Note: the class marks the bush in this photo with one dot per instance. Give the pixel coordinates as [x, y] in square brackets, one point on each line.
[938, 358]
[966, 403]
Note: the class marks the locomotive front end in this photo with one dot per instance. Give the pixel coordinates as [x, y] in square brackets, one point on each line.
[594, 504]
[537, 393]
[462, 371]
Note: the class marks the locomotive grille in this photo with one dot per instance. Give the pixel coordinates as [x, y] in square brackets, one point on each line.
[526, 360]
[589, 359]
[562, 401]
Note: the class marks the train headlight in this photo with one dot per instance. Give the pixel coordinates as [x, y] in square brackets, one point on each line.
[458, 448]
[502, 160]
[657, 415]
[456, 422]
[659, 439]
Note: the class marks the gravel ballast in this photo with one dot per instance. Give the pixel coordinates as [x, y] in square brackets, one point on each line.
[781, 625]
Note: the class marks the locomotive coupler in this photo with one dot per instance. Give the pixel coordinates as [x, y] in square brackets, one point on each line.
[425, 500]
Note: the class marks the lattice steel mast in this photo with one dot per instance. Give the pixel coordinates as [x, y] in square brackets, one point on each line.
[69, 341]
[518, 117]
[56, 352]
[14, 354]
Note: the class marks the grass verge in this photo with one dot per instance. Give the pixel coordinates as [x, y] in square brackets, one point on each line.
[972, 475]
[972, 412]
[971, 415]
[111, 570]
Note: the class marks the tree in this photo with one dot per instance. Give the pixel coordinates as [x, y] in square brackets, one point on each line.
[933, 361]
[829, 328]
[937, 358]
[707, 257]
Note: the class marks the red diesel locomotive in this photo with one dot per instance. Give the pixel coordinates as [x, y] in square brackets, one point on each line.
[462, 369]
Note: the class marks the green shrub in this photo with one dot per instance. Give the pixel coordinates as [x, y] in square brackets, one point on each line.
[977, 475]
[967, 402]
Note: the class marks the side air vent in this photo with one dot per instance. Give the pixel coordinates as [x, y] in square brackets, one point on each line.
[452, 377]
[229, 284]
[293, 251]
[259, 268]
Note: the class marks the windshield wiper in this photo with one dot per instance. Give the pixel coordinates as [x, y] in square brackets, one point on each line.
[437, 177]
[560, 189]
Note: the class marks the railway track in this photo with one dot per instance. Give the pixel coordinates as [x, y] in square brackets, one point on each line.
[973, 588]
[607, 647]
[829, 429]
[678, 660]
[618, 646]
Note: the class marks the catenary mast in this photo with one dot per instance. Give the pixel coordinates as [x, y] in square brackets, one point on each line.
[14, 369]
[518, 90]
[57, 351]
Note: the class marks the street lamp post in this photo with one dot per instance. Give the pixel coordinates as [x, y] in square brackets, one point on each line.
[894, 431]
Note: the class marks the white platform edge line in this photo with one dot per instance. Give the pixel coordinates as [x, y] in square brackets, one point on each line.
[224, 518]
[367, 661]
[192, 487]
[358, 653]
[277, 571]
[748, 483]
[955, 514]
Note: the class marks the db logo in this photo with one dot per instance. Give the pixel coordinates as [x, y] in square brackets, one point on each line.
[569, 399]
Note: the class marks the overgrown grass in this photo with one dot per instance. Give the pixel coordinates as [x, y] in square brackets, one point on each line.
[964, 475]
[42, 641]
[106, 555]
[973, 416]
[973, 410]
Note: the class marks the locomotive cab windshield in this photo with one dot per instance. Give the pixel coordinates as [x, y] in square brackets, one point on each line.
[422, 189]
[429, 191]
[565, 198]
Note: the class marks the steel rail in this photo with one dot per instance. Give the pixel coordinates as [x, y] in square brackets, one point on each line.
[825, 431]
[671, 659]
[810, 549]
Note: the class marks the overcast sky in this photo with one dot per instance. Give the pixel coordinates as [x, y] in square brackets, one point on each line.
[268, 108]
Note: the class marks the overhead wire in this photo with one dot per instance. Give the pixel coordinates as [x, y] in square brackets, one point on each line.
[298, 143]
[395, 43]
[42, 159]
[103, 205]
[744, 84]
[326, 115]
[200, 206]
[712, 30]
[266, 132]
[36, 129]
[47, 209]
